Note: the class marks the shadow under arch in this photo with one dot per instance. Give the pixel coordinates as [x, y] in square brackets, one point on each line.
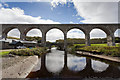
[54, 28]
[16, 34]
[9, 29]
[29, 29]
[107, 32]
[81, 29]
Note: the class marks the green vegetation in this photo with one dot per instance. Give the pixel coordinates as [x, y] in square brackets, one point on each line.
[13, 38]
[101, 49]
[38, 39]
[82, 41]
[102, 45]
[4, 53]
[29, 52]
[28, 38]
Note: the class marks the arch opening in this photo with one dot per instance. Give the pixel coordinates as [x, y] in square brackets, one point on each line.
[117, 33]
[75, 37]
[34, 35]
[13, 34]
[75, 63]
[55, 37]
[98, 66]
[117, 36]
[98, 36]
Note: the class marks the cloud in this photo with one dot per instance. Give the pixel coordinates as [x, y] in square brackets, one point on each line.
[34, 32]
[0, 5]
[94, 11]
[117, 33]
[54, 34]
[59, 0]
[14, 33]
[97, 33]
[97, 12]
[75, 33]
[55, 3]
[76, 63]
[99, 66]
[6, 5]
[17, 16]
[71, 22]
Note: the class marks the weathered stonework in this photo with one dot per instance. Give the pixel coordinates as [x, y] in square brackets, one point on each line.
[109, 29]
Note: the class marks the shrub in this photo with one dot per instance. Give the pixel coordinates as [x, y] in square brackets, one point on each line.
[106, 50]
[29, 52]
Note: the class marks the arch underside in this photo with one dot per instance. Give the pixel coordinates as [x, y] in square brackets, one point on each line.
[85, 28]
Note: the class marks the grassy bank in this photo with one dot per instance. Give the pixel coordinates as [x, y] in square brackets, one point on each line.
[29, 52]
[102, 45]
[26, 52]
[100, 49]
[4, 53]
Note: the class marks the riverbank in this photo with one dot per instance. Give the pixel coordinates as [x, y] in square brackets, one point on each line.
[18, 67]
[113, 59]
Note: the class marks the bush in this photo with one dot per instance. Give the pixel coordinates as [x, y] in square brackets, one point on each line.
[112, 51]
[29, 52]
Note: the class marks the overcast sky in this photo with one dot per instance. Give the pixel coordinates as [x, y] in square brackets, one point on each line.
[59, 12]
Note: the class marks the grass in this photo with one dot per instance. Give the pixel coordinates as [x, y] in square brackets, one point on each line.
[25, 52]
[100, 49]
[100, 45]
[4, 53]
[29, 52]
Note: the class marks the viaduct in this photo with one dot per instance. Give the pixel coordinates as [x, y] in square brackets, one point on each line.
[109, 29]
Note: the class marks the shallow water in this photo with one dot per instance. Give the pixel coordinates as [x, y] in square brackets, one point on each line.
[59, 64]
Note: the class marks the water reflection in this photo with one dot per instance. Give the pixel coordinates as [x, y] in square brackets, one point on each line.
[76, 63]
[99, 66]
[61, 64]
[55, 61]
[119, 68]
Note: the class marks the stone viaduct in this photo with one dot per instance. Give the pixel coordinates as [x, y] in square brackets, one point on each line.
[109, 29]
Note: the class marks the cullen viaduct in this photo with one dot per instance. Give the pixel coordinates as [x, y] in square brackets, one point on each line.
[109, 29]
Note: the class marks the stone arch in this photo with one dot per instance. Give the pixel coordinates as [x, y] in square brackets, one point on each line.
[76, 28]
[109, 35]
[99, 30]
[100, 33]
[54, 28]
[34, 29]
[7, 30]
[52, 36]
[103, 29]
[28, 29]
[16, 32]
[78, 33]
